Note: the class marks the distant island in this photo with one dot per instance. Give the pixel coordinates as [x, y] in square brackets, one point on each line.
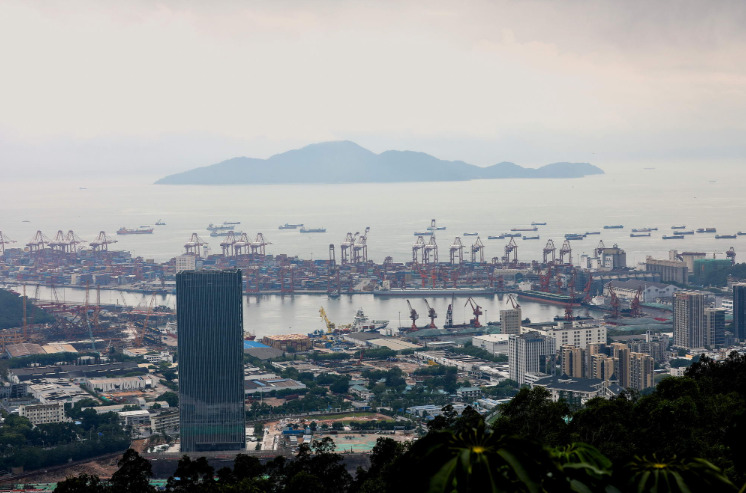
[347, 162]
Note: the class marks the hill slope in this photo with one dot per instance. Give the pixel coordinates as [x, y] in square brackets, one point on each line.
[347, 162]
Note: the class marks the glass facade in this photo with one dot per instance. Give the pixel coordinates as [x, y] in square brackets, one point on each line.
[210, 342]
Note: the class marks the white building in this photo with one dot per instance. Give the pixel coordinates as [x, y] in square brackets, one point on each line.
[186, 261]
[492, 343]
[528, 353]
[510, 320]
[43, 413]
[119, 384]
[650, 291]
[575, 333]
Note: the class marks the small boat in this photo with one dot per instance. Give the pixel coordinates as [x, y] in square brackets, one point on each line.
[726, 237]
[426, 233]
[219, 227]
[525, 229]
[574, 236]
[498, 237]
[142, 230]
[531, 237]
[290, 226]
[471, 234]
[638, 235]
[312, 230]
[538, 224]
[673, 237]
[614, 226]
[707, 230]
[678, 227]
[592, 233]
[160, 222]
[231, 222]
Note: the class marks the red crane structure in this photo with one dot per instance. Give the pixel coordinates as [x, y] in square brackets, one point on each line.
[614, 302]
[431, 313]
[571, 303]
[476, 310]
[549, 250]
[513, 302]
[193, 246]
[102, 242]
[413, 315]
[545, 279]
[511, 248]
[635, 308]
[4, 240]
[345, 248]
[430, 249]
[360, 248]
[477, 251]
[565, 250]
[456, 251]
[587, 290]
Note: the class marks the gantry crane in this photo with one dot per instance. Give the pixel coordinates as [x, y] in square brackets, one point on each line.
[4, 240]
[413, 315]
[345, 248]
[511, 248]
[417, 249]
[430, 249]
[549, 250]
[565, 250]
[456, 251]
[476, 310]
[431, 313]
[477, 251]
[102, 242]
[360, 248]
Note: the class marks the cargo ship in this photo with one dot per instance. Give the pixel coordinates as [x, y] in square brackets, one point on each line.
[531, 237]
[673, 237]
[639, 235]
[707, 230]
[643, 230]
[231, 222]
[525, 229]
[614, 226]
[678, 227]
[512, 235]
[498, 237]
[290, 226]
[216, 234]
[553, 298]
[426, 233]
[313, 230]
[433, 292]
[574, 236]
[691, 232]
[592, 233]
[538, 224]
[220, 227]
[142, 230]
[741, 233]
[471, 234]
[725, 237]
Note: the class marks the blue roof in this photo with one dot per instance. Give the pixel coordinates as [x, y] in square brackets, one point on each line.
[253, 344]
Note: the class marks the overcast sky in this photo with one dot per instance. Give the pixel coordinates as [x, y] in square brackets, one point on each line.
[157, 87]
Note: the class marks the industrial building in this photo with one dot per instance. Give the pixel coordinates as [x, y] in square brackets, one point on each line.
[289, 342]
[210, 345]
[669, 270]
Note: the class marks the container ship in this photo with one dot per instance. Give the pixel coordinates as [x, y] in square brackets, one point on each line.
[614, 226]
[525, 229]
[725, 237]
[290, 226]
[142, 230]
[707, 230]
[673, 237]
[639, 235]
[313, 230]
[538, 224]
[220, 227]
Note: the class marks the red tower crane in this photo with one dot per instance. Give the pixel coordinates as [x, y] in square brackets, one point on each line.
[431, 313]
[545, 279]
[587, 290]
[635, 306]
[614, 302]
[413, 315]
[476, 310]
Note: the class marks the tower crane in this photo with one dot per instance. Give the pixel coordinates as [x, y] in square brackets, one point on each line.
[549, 250]
[587, 290]
[476, 310]
[141, 332]
[329, 324]
[431, 313]
[635, 306]
[457, 251]
[614, 302]
[413, 315]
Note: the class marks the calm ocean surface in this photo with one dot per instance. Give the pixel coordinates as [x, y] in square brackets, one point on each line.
[638, 197]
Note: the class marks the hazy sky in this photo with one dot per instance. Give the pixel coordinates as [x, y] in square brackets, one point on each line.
[157, 87]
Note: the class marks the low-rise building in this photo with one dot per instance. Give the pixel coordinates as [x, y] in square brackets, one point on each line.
[43, 413]
[577, 391]
[492, 343]
[165, 422]
[119, 384]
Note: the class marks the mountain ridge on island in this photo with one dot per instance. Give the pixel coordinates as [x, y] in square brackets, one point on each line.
[347, 162]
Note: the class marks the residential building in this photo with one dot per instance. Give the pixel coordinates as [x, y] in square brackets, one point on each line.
[530, 352]
[40, 414]
[165, 421]
[572, 361]
[689, 319]
[641, 368]
[510, 320]
[739, 311]
[210, 348]
[575, 333]
[187, 261]
[714, 326]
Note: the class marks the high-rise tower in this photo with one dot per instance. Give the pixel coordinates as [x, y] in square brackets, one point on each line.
[210, 343]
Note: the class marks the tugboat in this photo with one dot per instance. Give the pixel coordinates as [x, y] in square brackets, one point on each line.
[361, 323]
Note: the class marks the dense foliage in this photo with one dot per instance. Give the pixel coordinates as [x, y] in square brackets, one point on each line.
[11, 311]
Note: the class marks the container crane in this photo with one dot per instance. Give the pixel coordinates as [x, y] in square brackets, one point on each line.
[345, 248]
[360, 248]
[430, 248]
[329, 324]
[431, 313]
[413, 315]
[477, 251]
[511, 248]
[417, 249]
[4, 240]
[476, 310]
[565, 250]
[102, 242]
[549, 250]
[257, 246]
[456, 251]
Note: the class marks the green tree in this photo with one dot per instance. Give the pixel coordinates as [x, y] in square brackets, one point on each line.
[82, 483]
[133, 475]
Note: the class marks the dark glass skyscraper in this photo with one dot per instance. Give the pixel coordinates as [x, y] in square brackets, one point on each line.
[739, 311]
[210, 341]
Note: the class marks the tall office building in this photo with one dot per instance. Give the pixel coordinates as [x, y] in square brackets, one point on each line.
[739, 311]
[510, 320]
[210, 343]
[529, 353]
[689, 319]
